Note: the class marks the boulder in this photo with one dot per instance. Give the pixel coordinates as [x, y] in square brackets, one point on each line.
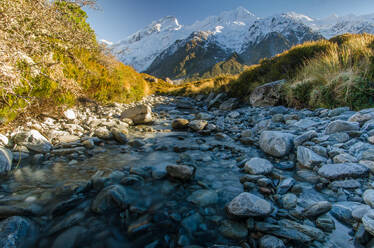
[368, 197]
[248, 205]
[120, 135]
[275, 143]
[267, 95]
[141, 114]
[103, 133]
[6, 158]
[340, 171]
[17, 232]
[33, 140]
[70, 114]
[179, 124]
[308, 158]
[258, 166]
[341, 126]
[181, 172]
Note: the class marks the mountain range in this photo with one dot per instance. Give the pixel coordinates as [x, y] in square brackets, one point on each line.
[231, 40]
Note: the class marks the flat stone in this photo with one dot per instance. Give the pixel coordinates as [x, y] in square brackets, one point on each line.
[258, 166]
[277, 144]
[340, 171]
[248, 205]
[299, 140]
[342, 126]
[317, 209]
[285, 185]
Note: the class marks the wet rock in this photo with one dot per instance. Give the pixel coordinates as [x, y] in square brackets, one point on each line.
[289, 201]
[269, 241]
[308, 158]
[8, 211]
[326, 223]
[33, 140]
[192, 222]
[111, 197]
[277, 144]
[180, 124]
[369, 197]
[17, 232]
[6, 159]
[197, 125]
[317, 209]
[203, 197]
[359, 212]
[368, 221]
[266, 95]
[341, 126]
[258, 166]
[89, 144]
[181, 172]
[68, 221]
[120, 135]
[233, 230]
[248, 205]
[342, 213]
[339, 171]
[141, 114]
[69, 238]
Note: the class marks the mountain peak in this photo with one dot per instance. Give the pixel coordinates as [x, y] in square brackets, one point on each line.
[166, 23]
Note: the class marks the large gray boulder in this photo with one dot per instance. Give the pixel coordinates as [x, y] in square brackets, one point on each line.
[17, 231]
[341, 171]
[33, 140]
[248, 205]
[275, 143]
[141, 114]
[258, 166]
[341, 126]
[6, 158]
[267, 95]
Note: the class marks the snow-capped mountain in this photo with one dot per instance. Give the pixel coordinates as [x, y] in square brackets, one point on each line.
[237, 31]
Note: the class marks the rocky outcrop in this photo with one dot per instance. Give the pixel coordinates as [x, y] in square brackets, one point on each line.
[267, 95]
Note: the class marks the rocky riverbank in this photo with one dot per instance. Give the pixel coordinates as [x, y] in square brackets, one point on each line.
[183, 172]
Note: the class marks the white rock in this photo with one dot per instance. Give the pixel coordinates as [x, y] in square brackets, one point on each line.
[70, 114]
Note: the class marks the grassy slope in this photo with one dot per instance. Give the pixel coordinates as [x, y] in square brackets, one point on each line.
[337, 72]
[52, 59]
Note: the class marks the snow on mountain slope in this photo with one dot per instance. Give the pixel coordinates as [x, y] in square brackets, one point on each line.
[141, 48]
[234, 30]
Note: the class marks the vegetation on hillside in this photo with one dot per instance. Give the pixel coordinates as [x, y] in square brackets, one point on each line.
[324, 73]
[50, 57]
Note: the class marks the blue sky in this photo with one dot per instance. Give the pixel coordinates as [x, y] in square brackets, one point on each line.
[119, 18]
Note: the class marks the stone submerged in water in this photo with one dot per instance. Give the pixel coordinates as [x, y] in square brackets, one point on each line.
[275, 143]
[269, 241]
[340, 171]
[233, 230]
[248, 205]
[180, 124]
[141, 114]
[6, 158]
[180, 172]
[33, 140]
[317, 209]
[258, 166]
[111, 197]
